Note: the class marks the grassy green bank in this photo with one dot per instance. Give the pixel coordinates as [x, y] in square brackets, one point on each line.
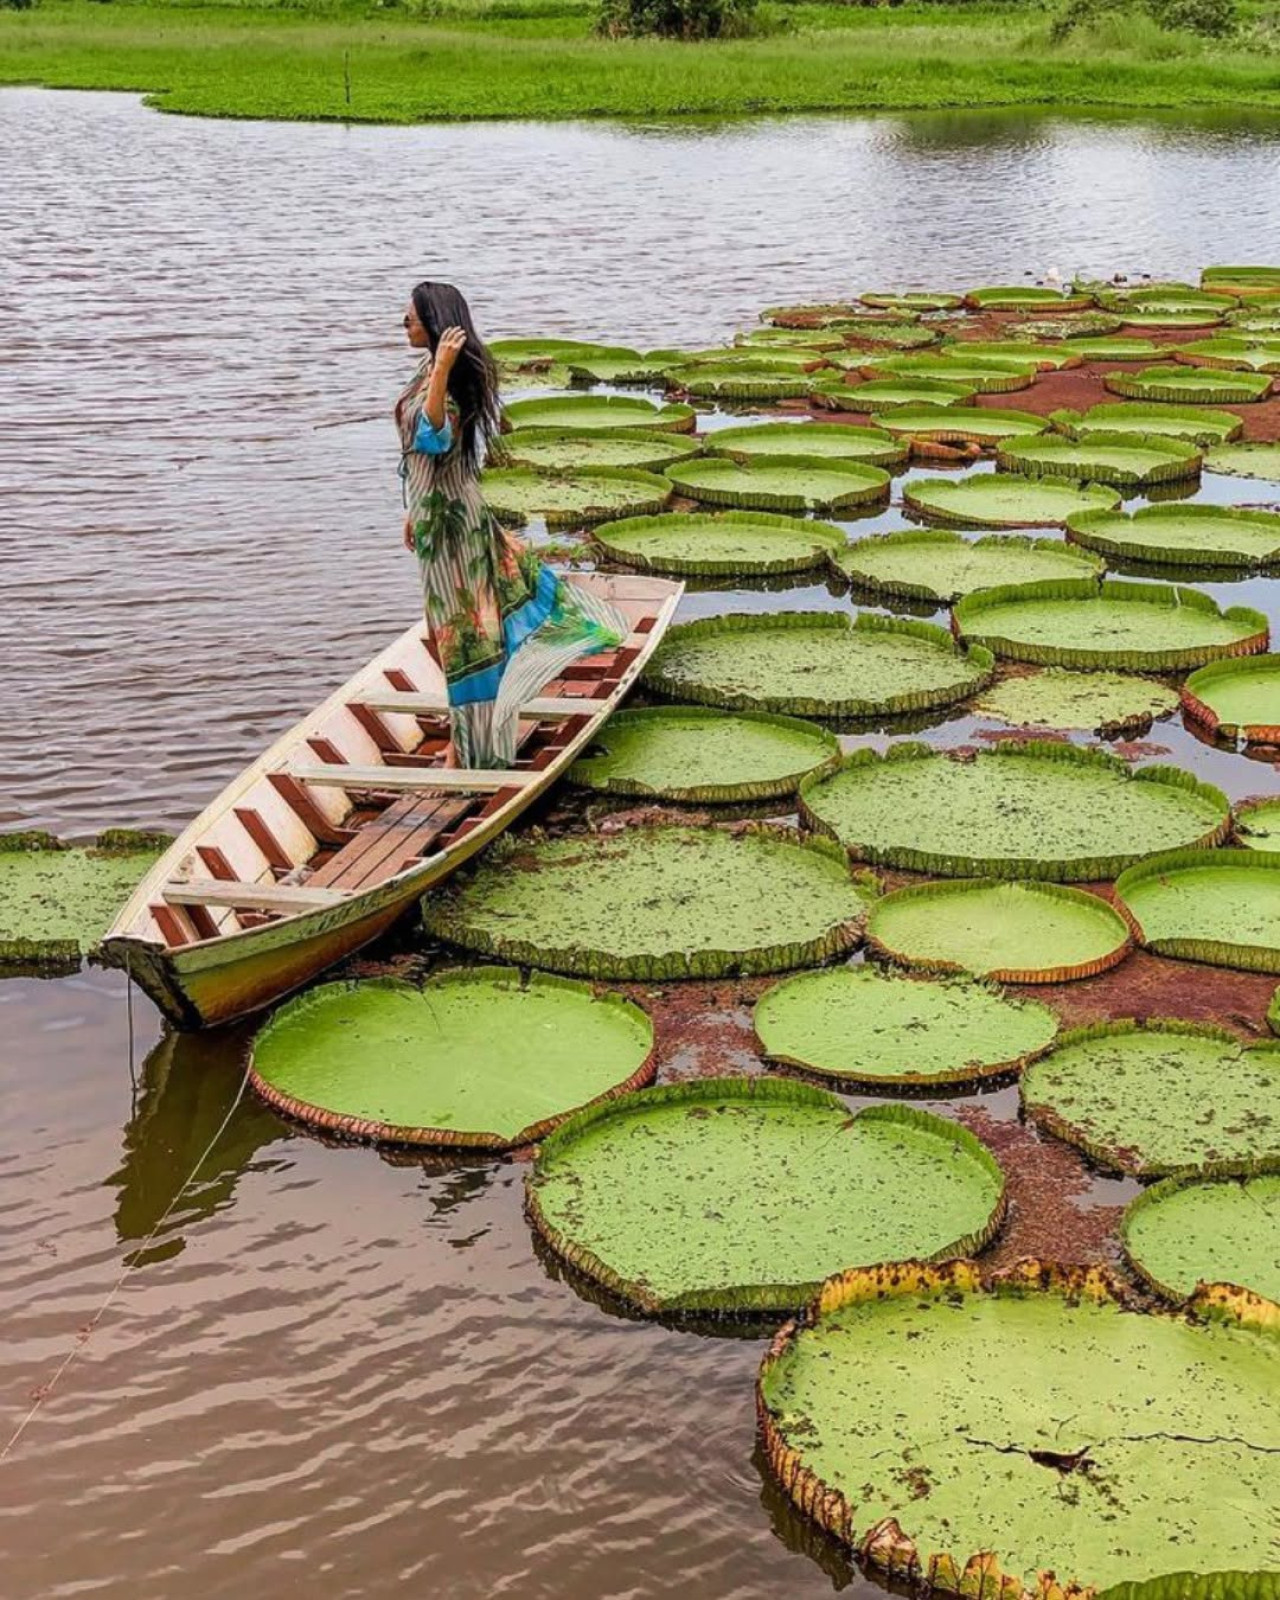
[538, 58]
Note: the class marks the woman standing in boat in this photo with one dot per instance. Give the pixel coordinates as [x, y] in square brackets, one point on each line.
[501, 624]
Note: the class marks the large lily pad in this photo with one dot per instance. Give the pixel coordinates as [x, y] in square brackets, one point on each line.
[815, 663]
[631, 368]
[858, 1025]
[916, 300]
[936, 564]
[961, 424]
[1250, 320]
[1134, 461]
[722, 543]
[1134, 627]
[1201, 535]
[881, 395]
[656, 903]
[1190, 385]
[533, 353]
[573, 499]
[701, 756]
[1155, 1098]
[1005, 932]
[479, 1059]
[889, 335]
[781, 483]
[1066, 325]
[1025, 297]
[1237, 699]
[599, 411]
[1247, 281]
[1196, 424]
[1004, 500]
[1174, 319]
[983, 377]
[812, 315]
[1175, 299]
[1258, 824]
[818, 340]
[1183, 1232]
[1116, 348]
[1018, 352]
[742, 1194]
[1091, 702]
[1256, 459]
[977, 1437]
[567, 449]
[57, 901]
[1029, 810]
[1217, 906]
[740, 380]
[1231, 353]
[832, 441]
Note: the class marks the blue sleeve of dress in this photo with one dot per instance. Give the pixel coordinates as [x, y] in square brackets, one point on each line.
[430, 441]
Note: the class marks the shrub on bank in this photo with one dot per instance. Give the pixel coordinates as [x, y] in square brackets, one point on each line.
[676, 19]
[1210, 19]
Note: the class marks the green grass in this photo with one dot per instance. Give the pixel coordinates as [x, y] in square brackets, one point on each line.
[538, 58]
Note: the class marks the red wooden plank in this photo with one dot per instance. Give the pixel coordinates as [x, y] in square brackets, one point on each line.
[325, 750]
[216, 862]
[295, 795]
[399, 680]
[375, 727]
[202, 922]
[265, 840]
[170, 925]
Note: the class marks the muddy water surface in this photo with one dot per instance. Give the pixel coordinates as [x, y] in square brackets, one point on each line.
[330, 1374]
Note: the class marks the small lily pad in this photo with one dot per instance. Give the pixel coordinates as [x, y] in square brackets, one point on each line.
[57, 901]
[1221, 907]
[1091, 702]
[1237, 699]
[1183, 1232]
[1258, 824]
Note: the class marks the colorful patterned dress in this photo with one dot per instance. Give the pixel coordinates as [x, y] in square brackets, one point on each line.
[501, 624]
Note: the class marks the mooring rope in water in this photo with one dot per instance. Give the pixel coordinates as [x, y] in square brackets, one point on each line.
[85, 1332]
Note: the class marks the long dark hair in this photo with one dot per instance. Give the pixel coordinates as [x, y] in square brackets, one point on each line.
[473, 383]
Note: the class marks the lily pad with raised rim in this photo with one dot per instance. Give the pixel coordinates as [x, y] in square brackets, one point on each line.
[1221, 907]
[883, 395]
[815, 339]
[1258, 824]
[1152, 1099]
[1237, 699]
[1133, 461]
[573, 499]
[1132, 627]
[737, 1195]
[724, 543]
[1196, 424]
[887, 335]
[831, 441]
[974, 1436]
[579, 411]
[1003, 500]
[1090, 702]
[1022, 810]
[1256, 459]
[812, 316]
[739, 381]
[1175, 319]
[961, 424]
[632, 368]
[937, 564]
[1116, 349]
[1004, 932]
[916, 300]
[859, 1025]
[1197, 535]
[686, 753]
[1231, 354]
[815, 663]
[1183, 1232]
[1046, 357]
[1066, 325]
[567, 450]
[1025, 297]
[1242, 280]
[552, 352]
[656, 903]
[1249, 321]
[1190, 385]
[781, 483]
[983, 377]
[57, 900]
[473, 1059]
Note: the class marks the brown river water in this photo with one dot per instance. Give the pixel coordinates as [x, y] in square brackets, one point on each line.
[331, 1373]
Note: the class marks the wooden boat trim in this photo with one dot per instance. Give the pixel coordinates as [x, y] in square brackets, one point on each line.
[415, 780]
[437, 705]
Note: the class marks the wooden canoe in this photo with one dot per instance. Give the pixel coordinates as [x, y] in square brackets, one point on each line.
[336, 831]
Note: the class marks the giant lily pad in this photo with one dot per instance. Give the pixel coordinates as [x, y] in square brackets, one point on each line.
[1155, 1098]
[1231, 353]
[887, 394]
[1176, 299]
[935, 564]
[1190, 385]
[1002, 500]
[704, 757]
[812, 316]
[567, 449]
[1250, 321]
[1033, 810]
[533, 353]
[741, 1194]
[1237, 699]
[1203, 535]
[832, 441]
[1135, 461]
[1017, 352]
[1094, 702]
[576, 498]
[1217, 906]
[1116, 348]
[893, 335]
[1253, 460]
[739, 381]
[1183, 1232]
[983, 377]
[1176, 319]
[1258, 824]
[1006, 932]
[1134, 627]
[916, 300]
[961, 424]
[977, 1437]
[56, 901]
[815, 663]
[863, 1026]
[1024, 297]
[599, 411]
[1066, 325]
[720, 543]
[1196, 424]
[817, 340]
[1242, 280]
[472, 1058]
[656, 903]
[781, 483]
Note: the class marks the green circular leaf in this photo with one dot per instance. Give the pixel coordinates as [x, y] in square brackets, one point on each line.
[567, 449]
[1190, 385]
[781, 483]
[1204, 535]
[1237, 699]
[1217, 906]
[599, 411]
[1252, 460]
[1134, 461]
[1183, 1232]
[814, 441]
[936, 564]
[57, 902]
[1092, 702]
[720, 543]
[573, 498]
[1004, 500]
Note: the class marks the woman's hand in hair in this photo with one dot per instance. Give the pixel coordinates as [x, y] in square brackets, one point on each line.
[449, 347]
